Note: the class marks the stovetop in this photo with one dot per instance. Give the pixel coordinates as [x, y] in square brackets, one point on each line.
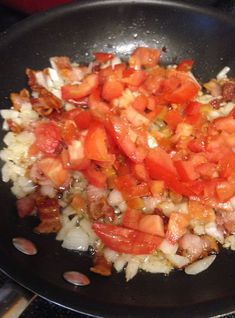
[41, 308]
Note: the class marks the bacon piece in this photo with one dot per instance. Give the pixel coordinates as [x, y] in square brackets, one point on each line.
[48, 211]
[228, 91]
[101, 265]
[25, 206]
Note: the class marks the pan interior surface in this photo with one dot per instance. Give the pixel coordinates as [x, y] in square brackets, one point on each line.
[77, 31]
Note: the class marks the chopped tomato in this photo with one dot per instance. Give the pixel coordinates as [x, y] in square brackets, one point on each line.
[83, 120]
[177, 226]
[76, 156]
[122, 135]
[186, 170]
[130, 188]
[226, 124]
[96, 144]
[179, 87]
[103, 57]
[140, 103]
[197, 145]
[173, 118]
[127, 241]
[152, 224]
[131, 218]
[72, 92]
[224, 191]
[144, 56]
[136, 78]
[48, 137]
[199, 211]
[227, 165]
[112, 88]
[207, 170]
[94, 176]
[140, 172]
[185, 66]
[157, 187]
[53, 169]
[69, 131]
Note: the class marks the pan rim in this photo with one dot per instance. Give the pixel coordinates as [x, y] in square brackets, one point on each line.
[65, 9]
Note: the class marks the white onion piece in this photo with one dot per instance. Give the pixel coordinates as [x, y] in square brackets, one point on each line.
[120, 262]
[116, 60]
[131, 269]
[110, 255]
[223, 73]
[178, 260]
[76, 239]
[200, 266]
[212, 230]
[168, 248]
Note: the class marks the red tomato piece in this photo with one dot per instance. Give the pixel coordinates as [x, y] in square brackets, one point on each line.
[121, 134]
[112, 89]
[69, 131]
[173, 118]
[186, 170]
[83, 120]
[224, 191]
[135, 79]
[226, 124]
[227, 165]
[75, 92]
[197, 145]
[96, 147]
[48, 138]
[95, 176]
[177, 226]
[53, 169]
[130, 188]
[185, 65]
[207, 170]
[127, 241]
[131, 218]
[140, 103]
[103, 57]
[152, 224]
[140, 172]
[143, 56]
[179, 87]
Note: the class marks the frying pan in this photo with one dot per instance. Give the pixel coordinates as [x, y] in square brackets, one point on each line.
[77, 30]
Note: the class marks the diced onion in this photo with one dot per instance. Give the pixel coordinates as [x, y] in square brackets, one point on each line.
[168, 248]
[178, 260]
[200, 266]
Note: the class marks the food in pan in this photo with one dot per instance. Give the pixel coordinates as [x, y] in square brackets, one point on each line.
[132, 161]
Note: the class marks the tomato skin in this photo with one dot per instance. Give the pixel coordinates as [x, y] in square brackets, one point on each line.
[126, 241]
[96, 144]
[53, 169]
[48, 137]
[103, 57]
[75, 92]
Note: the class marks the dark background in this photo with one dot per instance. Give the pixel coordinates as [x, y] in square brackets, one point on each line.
[41, 308]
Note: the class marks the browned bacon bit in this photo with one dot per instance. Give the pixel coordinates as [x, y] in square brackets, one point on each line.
[228, 91]
[25, 206]
[215, 103]
[32, 81]
[100, 209]
[18, 99]
[46, 103]
[14, 127]
[101, 265]
[48, 211]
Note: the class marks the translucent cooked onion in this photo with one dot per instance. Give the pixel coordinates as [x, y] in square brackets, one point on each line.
[168, 248]
[200, 266]
[76, 239]
[178, 260]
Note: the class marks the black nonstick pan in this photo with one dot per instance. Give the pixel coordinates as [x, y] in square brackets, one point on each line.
[77, 30]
